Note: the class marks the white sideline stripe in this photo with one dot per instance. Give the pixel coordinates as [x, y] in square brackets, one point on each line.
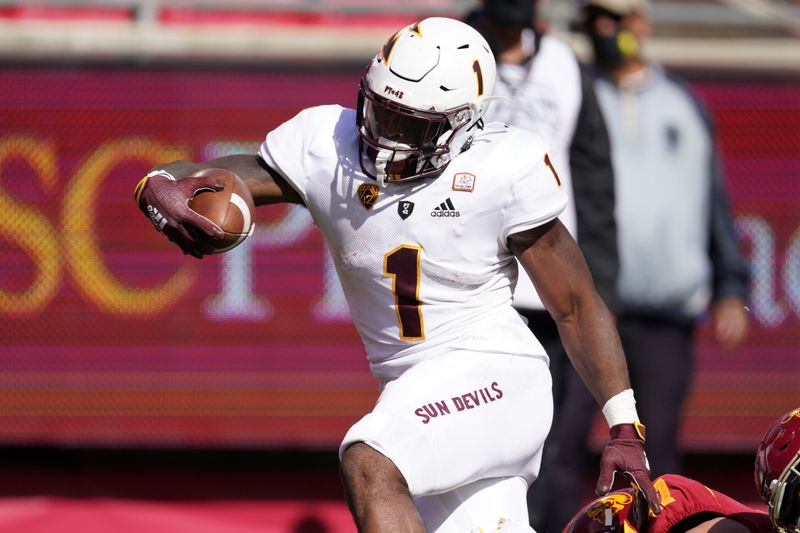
[247, 226]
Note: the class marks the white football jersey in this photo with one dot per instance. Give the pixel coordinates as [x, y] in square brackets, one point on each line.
[544, 96]
[424, 264]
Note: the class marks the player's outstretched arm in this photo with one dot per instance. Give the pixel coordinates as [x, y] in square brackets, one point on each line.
[163, 194]
[558, 270]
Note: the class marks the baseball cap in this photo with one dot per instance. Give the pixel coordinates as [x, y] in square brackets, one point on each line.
[620, 7]
[511, 12]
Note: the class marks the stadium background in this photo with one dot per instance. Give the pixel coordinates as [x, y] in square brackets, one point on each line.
[211, 395]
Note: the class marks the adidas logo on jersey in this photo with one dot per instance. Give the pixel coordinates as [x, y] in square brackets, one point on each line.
[445, 209]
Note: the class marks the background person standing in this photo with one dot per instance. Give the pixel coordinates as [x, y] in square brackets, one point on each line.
[545, 89]
[679, 254]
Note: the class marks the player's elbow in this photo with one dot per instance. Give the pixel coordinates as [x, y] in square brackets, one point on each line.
[575, 307]
[563, 310]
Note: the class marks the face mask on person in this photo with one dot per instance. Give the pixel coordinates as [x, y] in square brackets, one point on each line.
[611, 51]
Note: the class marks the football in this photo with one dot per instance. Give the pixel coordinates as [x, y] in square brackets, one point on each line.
[232, 209]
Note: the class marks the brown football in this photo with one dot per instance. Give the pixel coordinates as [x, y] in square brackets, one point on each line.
[232, 209]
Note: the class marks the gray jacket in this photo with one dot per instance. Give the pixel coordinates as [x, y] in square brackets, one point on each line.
[678, 248]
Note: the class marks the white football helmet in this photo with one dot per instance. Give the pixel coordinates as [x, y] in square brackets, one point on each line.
[421, 99]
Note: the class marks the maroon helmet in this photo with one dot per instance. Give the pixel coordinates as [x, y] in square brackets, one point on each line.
[777, 472]
[620, 511]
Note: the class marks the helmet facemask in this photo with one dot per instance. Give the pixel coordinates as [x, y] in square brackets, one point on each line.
[784, 501]
[400, 143]
[777, 472]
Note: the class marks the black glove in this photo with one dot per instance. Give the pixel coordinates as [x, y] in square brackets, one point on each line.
[164, 200]
[624, 453]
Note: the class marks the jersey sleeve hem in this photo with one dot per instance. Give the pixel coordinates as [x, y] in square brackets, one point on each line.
[264, 153]
[523, 224]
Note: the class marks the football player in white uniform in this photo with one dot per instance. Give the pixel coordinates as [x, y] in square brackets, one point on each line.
[423, 208]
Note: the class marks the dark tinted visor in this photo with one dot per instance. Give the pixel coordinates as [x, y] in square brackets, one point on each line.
[400, 124]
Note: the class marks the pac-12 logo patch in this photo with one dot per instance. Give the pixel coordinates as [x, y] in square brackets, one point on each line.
[405, 208]
[464, 181]
[368, 194]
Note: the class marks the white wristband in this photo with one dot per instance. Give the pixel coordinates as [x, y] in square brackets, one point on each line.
[621, 409]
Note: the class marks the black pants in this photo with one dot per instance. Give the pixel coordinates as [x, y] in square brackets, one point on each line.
[544, 327]
[660, 355]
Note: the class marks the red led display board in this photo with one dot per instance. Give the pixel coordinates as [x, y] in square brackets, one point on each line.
[109, 336]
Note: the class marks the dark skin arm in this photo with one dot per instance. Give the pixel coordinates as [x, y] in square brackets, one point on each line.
[164, 193]
[558, 270]
[265, 184]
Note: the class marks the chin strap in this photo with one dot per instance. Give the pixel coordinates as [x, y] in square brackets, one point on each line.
[381, 160]
[484, 103]
[385, 157]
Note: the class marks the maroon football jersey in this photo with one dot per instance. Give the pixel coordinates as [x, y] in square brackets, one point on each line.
[680, 497]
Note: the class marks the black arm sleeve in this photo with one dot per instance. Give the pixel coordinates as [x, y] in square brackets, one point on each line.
[593, 191]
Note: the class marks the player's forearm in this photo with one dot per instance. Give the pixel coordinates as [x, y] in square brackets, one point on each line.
[558, 270]
[242, 165]
[592, 343]
[265, 185]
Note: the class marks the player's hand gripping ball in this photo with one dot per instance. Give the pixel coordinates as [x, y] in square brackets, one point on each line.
[231, 209]
[224, 215]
